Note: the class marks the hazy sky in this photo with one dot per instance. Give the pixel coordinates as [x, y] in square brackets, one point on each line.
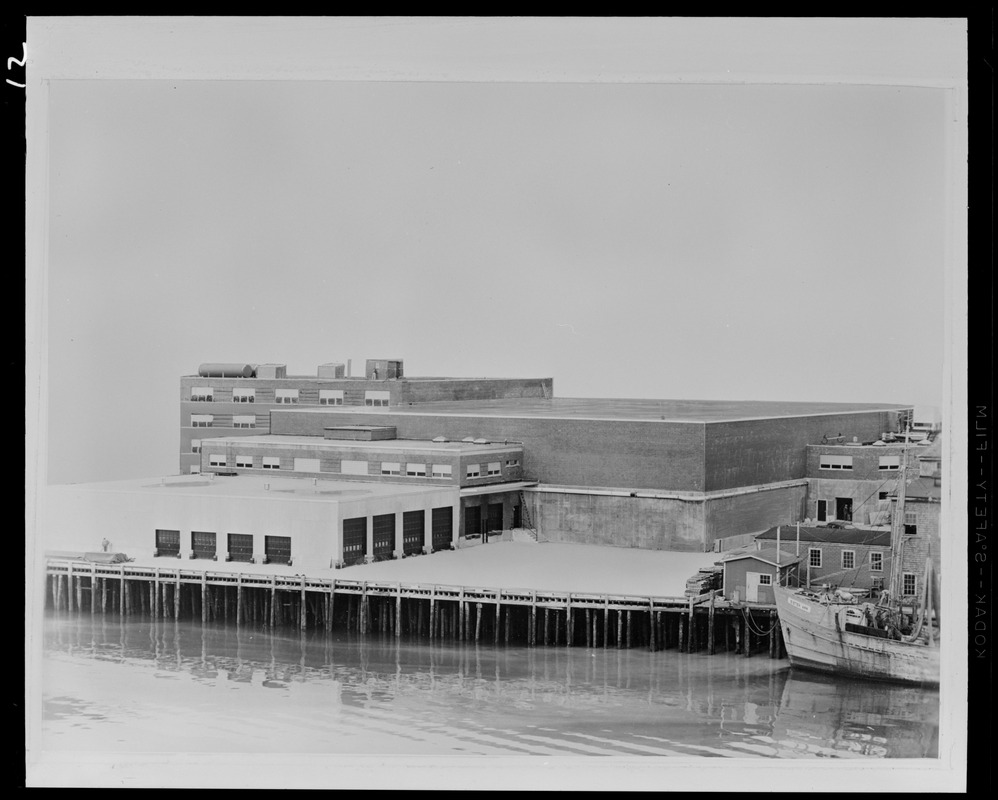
[675, 241]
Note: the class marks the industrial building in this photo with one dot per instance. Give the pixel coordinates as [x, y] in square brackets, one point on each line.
[331, 469]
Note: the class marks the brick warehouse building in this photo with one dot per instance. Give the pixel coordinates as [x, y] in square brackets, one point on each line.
[338, 469]
[672, 475]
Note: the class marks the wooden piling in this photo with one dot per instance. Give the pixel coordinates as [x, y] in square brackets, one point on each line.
[710, 626]
[651, 624]
[495, 637]
[176, 597]
[304, 607]
[365, 610]
[478, 621]
[772, 634]
[69, 588]
[532, 633]
[398, 610]
[629, 626]
[606, 620]
[682, 633]
[747, 648]
[506, 632]
[433, 612]
[569, 628]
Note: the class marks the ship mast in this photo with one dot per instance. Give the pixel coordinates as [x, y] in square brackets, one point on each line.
[897, 525]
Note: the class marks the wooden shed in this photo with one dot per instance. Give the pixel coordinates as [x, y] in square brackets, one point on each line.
[749, 576]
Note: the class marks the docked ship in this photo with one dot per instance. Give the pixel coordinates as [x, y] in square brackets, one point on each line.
[895, 638]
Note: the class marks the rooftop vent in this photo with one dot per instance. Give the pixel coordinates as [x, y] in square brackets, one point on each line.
[469, 439]
[439, 439]
[482, 441]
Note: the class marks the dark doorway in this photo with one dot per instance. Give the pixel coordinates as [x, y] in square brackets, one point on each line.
[203, 544]
[384, 537]
[276, 549]
[822, 510]
[443, 528]
[354, 540]
[843, 508]
[240, 547]
[413, 532]
[167, 543]
[472, 521]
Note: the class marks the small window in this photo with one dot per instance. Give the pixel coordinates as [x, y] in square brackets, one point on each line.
[195, 445]
[814, 556]
[202, 420]
[330, 397]
[474, 470]
[415, 470]
[765, 580]
[876, 562]
[441, 471]
[286, 396]
[495, 468]
[245, 462]
[881, 495]
[271, 462]
[877, 582]
[890, 462]
[390, 468]
[376, 398]
[848, 559]
[909, 523]
[908, 584]
[202, 394]
[306, 465]
[244, 395]
[216, 461]
[512, 462]
[835, 462]
[348, 467]
[244, 421]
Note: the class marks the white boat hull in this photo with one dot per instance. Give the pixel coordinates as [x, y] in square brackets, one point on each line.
[815, 640]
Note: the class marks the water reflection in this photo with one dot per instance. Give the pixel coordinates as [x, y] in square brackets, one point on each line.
[347, 691]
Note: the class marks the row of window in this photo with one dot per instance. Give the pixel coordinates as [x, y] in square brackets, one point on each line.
[845, 462]
[327, 397]
[353, 467]
[848, 559]
[276, 549]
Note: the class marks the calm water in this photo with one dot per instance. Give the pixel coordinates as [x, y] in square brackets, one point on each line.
[172, 687]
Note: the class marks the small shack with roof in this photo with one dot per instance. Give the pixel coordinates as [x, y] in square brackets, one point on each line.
[749, 575]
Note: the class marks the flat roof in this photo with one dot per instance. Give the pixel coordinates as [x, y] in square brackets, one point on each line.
[828, 535]
[394, 445]
[256, 486]
[640, 410]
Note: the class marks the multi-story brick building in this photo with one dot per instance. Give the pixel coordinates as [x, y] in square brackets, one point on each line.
[920, 540]
[236, 399]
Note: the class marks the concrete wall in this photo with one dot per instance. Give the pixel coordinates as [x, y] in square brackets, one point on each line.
[752, 513]
[647, 523]
[759, 451]
[650, 454]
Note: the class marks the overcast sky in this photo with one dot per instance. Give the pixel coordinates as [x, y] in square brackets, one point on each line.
[646, 240]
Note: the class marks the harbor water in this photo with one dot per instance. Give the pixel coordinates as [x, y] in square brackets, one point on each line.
[145, 685]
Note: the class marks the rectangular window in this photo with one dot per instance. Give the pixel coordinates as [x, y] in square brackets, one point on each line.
[244, 395]
[876, 562]
[415, 470]
[495, 468]
[348, 467]
[245, 462]
[244, 421]
[203, 544]
[814, 556]
[167, 542]
[848, 559]
[195, 445]
[202, 394]
[890, 462]
[373, 398]
[909, 522]
[512, 462]
[216, 461]
[391, 468]
[286, 396]
[765, 580]
[441, 471]
[306, 465]
[202, 420]
[271, 462]
[835, 462]
[881, 495]
[474, 470]
[908, 584]
[330, 397]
